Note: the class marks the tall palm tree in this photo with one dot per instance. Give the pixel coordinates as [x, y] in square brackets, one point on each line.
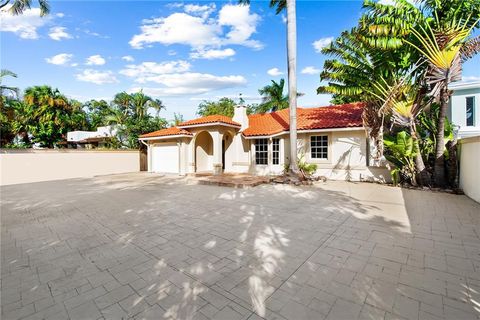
[290, 7]
[272, 97]
[158, 106]
[123, 100]
[444, 48]
[19, 6]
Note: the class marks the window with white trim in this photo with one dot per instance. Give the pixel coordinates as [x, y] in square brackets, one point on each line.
[319, 147]
[470, 111]
[261, 151]
[276, 151]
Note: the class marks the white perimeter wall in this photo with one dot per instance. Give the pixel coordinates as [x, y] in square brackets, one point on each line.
[25, 166]
[469, 170]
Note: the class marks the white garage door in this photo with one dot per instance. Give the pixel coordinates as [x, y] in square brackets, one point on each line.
[165, 158]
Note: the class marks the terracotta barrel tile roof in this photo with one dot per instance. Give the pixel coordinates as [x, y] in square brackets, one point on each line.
[209, 119]
[173, 131]
[339, 116]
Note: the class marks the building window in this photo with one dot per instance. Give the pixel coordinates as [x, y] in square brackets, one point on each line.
[276, 151]
[319, 147]
[470, 111]
[261, 151]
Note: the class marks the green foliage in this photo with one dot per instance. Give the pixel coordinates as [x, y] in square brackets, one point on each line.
[427, 128]
[273, 98]
[225, 106]
[307, 169]
[401, 151]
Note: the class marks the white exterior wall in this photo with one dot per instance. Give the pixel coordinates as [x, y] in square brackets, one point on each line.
[457, 111]
[30, 165]
[469, 173]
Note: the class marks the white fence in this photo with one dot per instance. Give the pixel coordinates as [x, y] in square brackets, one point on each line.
[25, 166]
[469, 167]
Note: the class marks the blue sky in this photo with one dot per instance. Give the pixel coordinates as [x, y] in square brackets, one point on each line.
[180, 52]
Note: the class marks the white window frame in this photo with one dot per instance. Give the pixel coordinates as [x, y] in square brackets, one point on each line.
[266, 151]
[311, 148]
[276, 151]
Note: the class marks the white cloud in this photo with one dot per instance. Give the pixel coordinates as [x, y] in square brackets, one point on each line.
[243, 25]
[97, 77]
[203, 10]
[321, 43]
[128, 58]
[95, 60]
[274, 72]
[178, 84]
[60, 59]
[24, 25]
[59, 33]
[213, 54]
[470, 78]
[146, 71]
[172, 53]
[235, 25]
[310, 70]
[60, 15]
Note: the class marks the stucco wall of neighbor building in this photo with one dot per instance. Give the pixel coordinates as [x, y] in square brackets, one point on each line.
[26, 166]
[469, 172]
[457, 110]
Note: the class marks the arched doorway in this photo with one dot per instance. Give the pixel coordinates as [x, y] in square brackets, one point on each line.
[203, 152]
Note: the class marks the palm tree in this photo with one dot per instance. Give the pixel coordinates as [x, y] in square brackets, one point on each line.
[157, 105]
[444, 49]
[3, 89]
[272, 97]
[123, 101]
[290, 6]
[19, 6]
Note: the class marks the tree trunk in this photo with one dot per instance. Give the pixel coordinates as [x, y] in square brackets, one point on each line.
[292, 81]
[423, 177]
[439, 167]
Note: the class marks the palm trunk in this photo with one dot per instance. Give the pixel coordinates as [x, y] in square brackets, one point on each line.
[423, 177]
[439, 167]
[292, 81]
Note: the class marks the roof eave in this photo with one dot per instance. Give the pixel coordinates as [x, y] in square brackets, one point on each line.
[173, 136]
[209, 124]
[304, 131]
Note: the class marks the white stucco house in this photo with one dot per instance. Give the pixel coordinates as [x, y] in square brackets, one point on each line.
[333, 137]
[463, 109]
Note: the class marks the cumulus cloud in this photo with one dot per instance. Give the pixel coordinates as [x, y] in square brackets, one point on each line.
[203, 10]
[128, 58]
[97, 77]
[59, 33]
[178, 84]
[321, 43]
[235, 25]
[146, 71]
[213, 54]
[274, 72]
[95, 60]
[310, 70]
[60, 59]
[24, 25]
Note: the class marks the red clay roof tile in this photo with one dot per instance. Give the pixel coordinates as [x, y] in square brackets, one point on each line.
[339, 116]
[209, 119]
[173, 131]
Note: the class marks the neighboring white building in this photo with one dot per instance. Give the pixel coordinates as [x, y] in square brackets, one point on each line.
[83, 139]
[464, 110]
[332, 137]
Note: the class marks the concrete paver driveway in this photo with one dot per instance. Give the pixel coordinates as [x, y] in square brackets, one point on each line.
[149, 247]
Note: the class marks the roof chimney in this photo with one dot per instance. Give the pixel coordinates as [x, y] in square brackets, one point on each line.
[240, 114]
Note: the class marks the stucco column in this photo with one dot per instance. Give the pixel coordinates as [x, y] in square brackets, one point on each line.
[217, 152]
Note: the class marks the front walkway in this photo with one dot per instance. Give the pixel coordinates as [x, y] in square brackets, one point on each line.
[149, 247]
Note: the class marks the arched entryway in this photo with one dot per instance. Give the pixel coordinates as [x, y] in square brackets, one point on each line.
[203, 152]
